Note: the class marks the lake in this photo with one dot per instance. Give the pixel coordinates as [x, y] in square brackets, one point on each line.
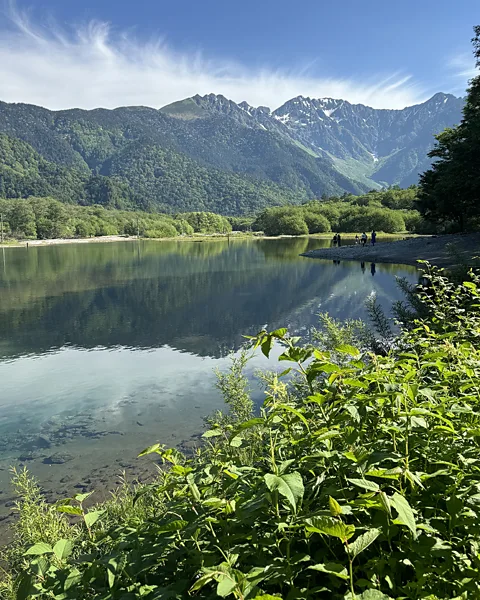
[108, 348]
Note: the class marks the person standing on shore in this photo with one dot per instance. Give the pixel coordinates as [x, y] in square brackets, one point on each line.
[364, 239]
[357, 240]
[334, 240]
[374, 237]
[339, 240]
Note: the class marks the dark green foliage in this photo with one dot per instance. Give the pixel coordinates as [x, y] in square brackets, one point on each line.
[141, 176]
[359, 479]
[168, 164]
[23, 172]
[450, 190]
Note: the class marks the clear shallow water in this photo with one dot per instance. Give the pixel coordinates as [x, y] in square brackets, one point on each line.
[107, 348]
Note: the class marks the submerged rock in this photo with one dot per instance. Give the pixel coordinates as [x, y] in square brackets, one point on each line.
[59, 458]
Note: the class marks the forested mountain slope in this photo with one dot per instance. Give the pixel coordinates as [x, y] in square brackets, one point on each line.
[209, 153]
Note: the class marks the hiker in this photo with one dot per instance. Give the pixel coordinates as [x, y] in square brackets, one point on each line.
[339, 240]
[364, 238]
[374, 237]
[334, 240]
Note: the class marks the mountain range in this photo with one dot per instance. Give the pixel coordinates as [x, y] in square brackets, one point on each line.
[210, 153]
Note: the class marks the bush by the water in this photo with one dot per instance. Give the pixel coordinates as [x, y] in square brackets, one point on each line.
[359, 479]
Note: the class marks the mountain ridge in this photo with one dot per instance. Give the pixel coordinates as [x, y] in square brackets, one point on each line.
[345, 132]
[306, 148]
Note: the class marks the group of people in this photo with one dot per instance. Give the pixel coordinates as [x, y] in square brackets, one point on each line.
[363, 239]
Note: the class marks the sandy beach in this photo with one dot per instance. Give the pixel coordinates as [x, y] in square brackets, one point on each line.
[436, 250]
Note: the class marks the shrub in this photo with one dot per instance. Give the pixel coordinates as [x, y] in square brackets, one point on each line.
[366, 219]
[288, 220]
[207, 222]
[161, 230]
[316, 223]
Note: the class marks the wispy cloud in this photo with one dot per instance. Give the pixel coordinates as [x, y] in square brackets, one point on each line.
[94, 65]
[463, 66]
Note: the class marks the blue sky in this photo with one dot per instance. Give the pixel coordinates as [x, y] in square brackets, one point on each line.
[111, 53]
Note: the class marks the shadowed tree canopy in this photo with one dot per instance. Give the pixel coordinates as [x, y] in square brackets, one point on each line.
[450, 190]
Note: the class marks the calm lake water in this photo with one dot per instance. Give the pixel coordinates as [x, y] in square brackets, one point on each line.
[107, 348]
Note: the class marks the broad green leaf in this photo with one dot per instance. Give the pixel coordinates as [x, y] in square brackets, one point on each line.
[373, 595]
[40, 565]
[332, 569]
[201, 581]
[371, 486]
[335, 508]
[225, 586]
[92, 517]
[290, 486]
[82, 497]
[279, 333]
[193, 487]
[248, 425]
[385, 473]
[171, 526]
[363, 541]
[63, 549]
[295, 412]
[73, 579]
[266, 345]
[150, 449]
[405, 512]
[39, 549]
[212, 433]
[347, 349]
[70, 510]
[330, 526]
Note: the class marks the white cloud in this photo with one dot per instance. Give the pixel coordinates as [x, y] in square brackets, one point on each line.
[94, 66]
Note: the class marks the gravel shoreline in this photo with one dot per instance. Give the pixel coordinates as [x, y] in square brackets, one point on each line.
[407, 252]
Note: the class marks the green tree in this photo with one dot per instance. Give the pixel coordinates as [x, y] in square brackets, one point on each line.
[316, 222]
[450, 189]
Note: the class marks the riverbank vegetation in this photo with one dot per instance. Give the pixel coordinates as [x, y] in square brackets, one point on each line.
[358, 478]
[46, 218]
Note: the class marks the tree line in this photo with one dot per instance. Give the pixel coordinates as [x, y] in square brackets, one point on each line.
[47, 218]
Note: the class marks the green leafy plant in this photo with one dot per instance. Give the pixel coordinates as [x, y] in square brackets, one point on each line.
[364, 482]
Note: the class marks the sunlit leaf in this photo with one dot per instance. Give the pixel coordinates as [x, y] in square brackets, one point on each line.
[39, 549]
[290, 486]
[405, 512]
[63, 549]
[332, 569]
[330, 526]
[363, 541]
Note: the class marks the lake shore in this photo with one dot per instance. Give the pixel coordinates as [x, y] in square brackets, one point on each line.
[434, 249]
[198, 237]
